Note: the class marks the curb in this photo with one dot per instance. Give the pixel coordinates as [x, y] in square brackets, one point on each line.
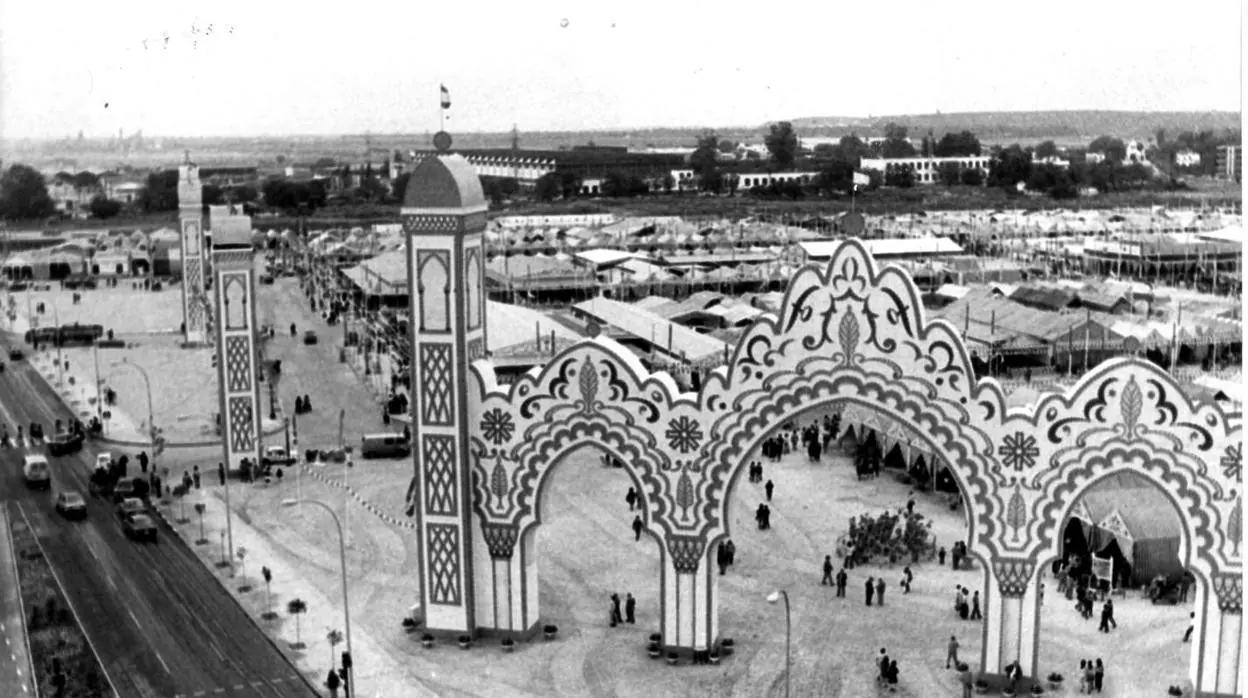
[225, 587]
[21, 603]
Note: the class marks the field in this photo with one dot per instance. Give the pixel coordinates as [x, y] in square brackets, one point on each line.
[55, 637]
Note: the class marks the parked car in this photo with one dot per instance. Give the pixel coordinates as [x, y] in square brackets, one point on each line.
[36, 430]
[122, 490]
[276, 455]
[103, 460]
[266, 280]
[309, 337]
[130, 507]
[140, 527]
[71, 505]
[16, 354]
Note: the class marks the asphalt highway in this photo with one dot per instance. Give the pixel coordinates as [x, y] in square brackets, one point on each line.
[160, 622]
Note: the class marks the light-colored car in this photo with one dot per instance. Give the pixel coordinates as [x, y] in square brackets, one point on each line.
[71, 505]
[36, 471]
[103, 460]
[130, 507]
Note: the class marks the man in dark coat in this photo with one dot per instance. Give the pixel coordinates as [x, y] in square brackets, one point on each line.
[975, 614]
[630, 609]
[827, 571]
[637, 526]
[870, 589]
[731, 549]
[879, 591]
[1107, 616]
[631, 498]
[769, 487]
[842, 580]
[721, 558]
[616, 617]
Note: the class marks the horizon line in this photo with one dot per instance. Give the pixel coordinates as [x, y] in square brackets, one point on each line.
[626, 129]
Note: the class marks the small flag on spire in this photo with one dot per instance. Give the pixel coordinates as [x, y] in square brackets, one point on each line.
[446, 98]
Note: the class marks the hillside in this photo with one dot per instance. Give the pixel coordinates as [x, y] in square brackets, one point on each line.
[997, 127]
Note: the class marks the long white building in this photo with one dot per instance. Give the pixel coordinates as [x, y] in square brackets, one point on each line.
[926, 170]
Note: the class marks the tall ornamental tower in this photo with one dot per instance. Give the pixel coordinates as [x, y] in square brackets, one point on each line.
[191, 217]
[234, 292]
[444, 222]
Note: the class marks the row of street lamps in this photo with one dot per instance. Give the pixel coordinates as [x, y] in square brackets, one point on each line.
[157, 448]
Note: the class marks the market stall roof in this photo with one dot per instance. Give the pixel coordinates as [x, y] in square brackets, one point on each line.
[645, 325]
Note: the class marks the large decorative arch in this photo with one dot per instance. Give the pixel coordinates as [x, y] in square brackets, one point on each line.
[852, 333]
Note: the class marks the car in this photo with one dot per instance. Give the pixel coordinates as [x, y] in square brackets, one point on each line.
[36, 430]
[266, 280]
[123, 489]
[36, 472]
[276, 455]
[309, 337]
[130, 507]
[140, 527]
[103, 460]
[16, 354]
[71, 505]
[65, 443]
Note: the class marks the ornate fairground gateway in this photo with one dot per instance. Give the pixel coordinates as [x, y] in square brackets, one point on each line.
[849, 335]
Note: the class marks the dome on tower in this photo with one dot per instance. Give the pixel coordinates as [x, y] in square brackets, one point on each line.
[444, 182]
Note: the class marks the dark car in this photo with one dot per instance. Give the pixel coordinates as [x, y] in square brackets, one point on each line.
[140, 527]
[36, 430]
[310, 337]
[71, 505]
[16, 354]
[266, 280]
[123, 489]
[65, 444]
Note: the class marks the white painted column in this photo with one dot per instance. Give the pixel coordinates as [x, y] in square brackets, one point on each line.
[1006, 591]
[689, 596]
[1217, 639]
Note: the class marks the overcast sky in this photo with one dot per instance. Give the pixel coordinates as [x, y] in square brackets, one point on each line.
[279, 67]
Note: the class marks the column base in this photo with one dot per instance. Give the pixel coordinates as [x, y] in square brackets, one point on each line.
[998, 681]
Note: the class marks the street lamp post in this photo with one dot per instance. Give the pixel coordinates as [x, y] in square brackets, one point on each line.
[774, 597]
[342, 556]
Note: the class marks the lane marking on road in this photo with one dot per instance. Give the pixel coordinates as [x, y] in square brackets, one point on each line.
[217, 649]
[111, 583]
[162, 663]
[239, 686]
[257, 684]
[134, 618]
[197, 694]
[6, 641]
[218, 690]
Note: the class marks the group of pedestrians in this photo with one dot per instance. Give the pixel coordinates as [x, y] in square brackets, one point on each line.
[630, 610]
[888, 672]
[964, 607]
[1091, 675]
[725, 555]
[840, 580]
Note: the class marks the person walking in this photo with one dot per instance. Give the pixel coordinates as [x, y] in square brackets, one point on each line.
[1107, 613]
[616, 617]
[769, 488]
[951, 653]
[910, 504]
[827, 572]
[906, 578]
[879, 591]
[883, 664]
[721, 558]
[221, 473]
[195, 476]
[637, 526]
[870, 588]
[1098, 676]
[630, 610]
[1089, 675]
[940, 555]
[975, 614]
[631, 498]
[1187, 636]
[731, 549]
[842, 580]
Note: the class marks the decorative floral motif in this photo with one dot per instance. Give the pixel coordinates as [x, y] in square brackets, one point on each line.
[684, 434]
[1132, 405]
[847, 334]
[1019, 451]
[684, 494]
[498, 480]
[1235, 527]
[497, 426]
[1016, 514]
[1233, 462]
[588, 383]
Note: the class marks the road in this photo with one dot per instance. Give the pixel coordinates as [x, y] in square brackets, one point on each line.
[160, 622]
[16, 670]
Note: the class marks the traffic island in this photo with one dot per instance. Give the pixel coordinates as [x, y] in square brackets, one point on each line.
[64, 661]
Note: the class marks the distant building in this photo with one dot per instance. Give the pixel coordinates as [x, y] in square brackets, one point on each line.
[1094, 158]
[72, 194]
[1136, 153]
[926, 170]
[1051, 160]
[749, 180]
[1230, 163]
[1187, 158]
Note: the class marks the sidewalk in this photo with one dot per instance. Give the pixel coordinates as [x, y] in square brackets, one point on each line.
[376, 672]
